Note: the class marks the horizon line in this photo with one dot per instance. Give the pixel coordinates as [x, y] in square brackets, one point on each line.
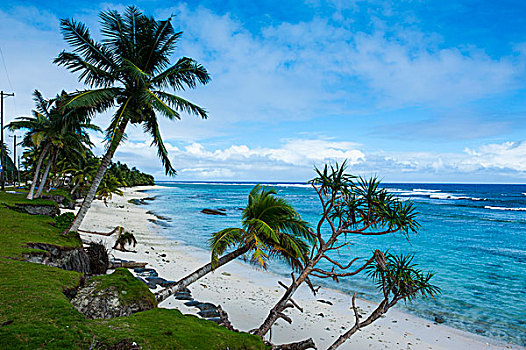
[306, 182]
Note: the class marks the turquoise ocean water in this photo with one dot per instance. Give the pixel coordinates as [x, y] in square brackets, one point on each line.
[473, 237]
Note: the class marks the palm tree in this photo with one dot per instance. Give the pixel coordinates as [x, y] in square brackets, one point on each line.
[81, 171]
[70, 137]
[130, 69]
[271, 228]
[54, 129]
[37, 136]
[124, 238]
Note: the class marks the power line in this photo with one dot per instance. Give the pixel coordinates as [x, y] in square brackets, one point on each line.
[2, 150]
[7, 75]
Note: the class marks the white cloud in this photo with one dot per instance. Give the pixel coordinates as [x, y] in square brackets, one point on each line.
[410, 70]
[294, 160]
[507, 155]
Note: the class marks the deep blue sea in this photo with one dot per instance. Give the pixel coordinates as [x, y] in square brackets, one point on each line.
[473, 237]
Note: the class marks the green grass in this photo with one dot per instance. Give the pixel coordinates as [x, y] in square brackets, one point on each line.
[11, 199]
[169, 329]
[123, 280]
[35, 313]
[17, 229]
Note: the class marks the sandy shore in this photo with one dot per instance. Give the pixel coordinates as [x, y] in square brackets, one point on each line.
[247, 294]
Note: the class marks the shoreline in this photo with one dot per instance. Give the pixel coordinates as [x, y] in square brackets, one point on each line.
[247, 294]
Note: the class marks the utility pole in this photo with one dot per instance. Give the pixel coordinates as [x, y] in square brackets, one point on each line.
[2, 151]
[15, 169]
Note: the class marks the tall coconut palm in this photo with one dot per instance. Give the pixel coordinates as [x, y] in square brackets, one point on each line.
[130, 70]
[271, 228]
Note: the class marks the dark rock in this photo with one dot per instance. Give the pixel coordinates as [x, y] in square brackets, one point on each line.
[137, 201]
[165, 284]
[183, 297]
[49, 210]
[182, 293]
[480, 331]
[147, 272]
[439, 319]
[160, 222]
[221, 209]
[71, 259]
[217, 320]
[192, 303]
[155, 280]
[206, 306]
[98, 258]
[208, 313]
[212, 212]
[162, 255]
[325, 301]
[320, 314]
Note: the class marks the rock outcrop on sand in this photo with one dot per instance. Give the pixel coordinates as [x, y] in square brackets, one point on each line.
[121, 295]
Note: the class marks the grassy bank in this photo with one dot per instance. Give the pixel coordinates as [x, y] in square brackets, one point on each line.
[35, 313]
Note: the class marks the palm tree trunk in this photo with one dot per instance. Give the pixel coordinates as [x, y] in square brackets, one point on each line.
[43, 181]
[86, 203]
[37, 171]
[200, 272]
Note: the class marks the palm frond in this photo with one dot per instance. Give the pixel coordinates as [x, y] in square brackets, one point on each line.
[186, 73]
[151, 127]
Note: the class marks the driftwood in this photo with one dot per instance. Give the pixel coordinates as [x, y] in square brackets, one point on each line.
[301, 345]
[102, 233]
[225, 322]
[129, 265]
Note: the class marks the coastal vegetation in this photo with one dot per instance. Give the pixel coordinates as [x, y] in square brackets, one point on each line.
[129, 70]
[130, 73]
[271, 228]
[354, 206]
[35, 310]
[53, 133]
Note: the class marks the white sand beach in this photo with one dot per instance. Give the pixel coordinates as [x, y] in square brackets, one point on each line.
[247, 294]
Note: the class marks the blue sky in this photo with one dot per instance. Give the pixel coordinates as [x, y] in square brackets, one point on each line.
[411, 91]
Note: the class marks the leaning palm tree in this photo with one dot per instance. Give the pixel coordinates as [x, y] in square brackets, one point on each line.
[53, 129]
[130, 69]
[271, 228]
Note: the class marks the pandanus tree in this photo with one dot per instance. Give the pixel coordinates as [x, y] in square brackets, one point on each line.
[130, 70]
[271, 228]
[351, 206]
[50, 129]
[397, 278]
